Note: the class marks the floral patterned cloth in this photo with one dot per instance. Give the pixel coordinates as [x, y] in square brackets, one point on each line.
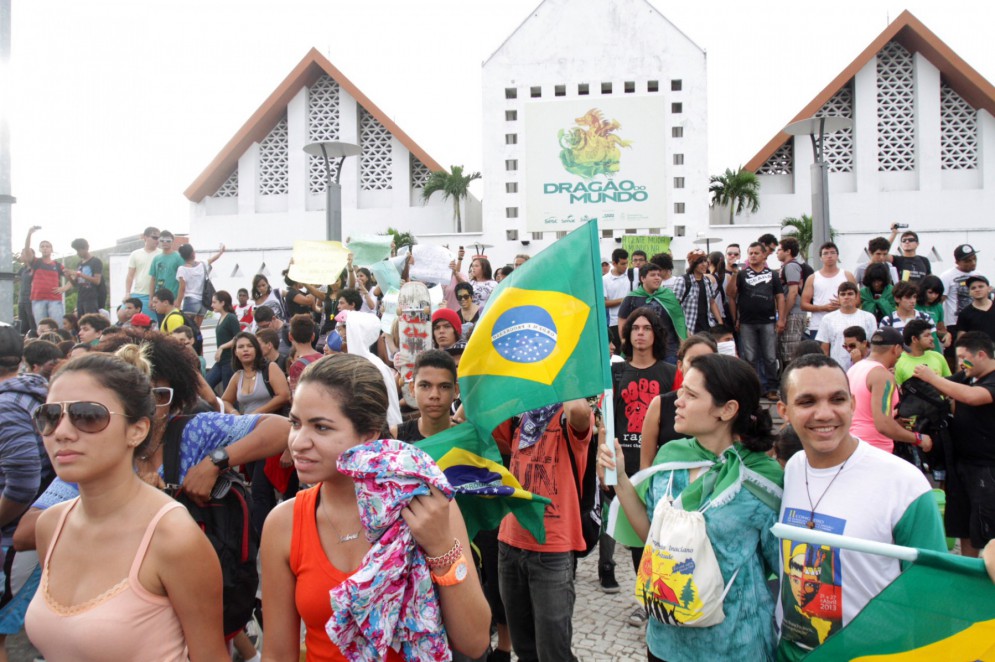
[390, 601]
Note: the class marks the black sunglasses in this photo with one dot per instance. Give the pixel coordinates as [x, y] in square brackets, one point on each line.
[463, 297]
[154, 236]
[85, 416]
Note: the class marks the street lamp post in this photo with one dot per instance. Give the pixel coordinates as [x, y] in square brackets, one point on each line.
[817, 128]
[333, 149]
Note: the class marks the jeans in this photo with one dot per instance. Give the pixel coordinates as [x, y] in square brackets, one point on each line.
[45, 308]
[220, 373]
[758, 343]
[538, 587]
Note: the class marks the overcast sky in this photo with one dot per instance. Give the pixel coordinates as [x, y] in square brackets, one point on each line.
[117, 106]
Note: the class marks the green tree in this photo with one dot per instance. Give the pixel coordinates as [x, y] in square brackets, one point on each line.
[687, 594]
[803, 232]
[453, 185]
[401, 239]
[738, 189]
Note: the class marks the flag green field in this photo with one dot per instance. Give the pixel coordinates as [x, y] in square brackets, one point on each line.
[543, 335]
[942, 607]
[485, 490]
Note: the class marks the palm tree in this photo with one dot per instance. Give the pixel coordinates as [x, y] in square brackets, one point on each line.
[401, 239]
[453, 184]
[803, 232]
[740, 190]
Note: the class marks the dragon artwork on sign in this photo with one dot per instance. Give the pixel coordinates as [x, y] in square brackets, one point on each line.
[592, 147]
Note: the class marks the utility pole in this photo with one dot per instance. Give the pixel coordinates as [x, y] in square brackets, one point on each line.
[6, 199]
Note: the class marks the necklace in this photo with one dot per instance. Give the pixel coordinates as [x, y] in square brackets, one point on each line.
[342, 538]
[811, 513]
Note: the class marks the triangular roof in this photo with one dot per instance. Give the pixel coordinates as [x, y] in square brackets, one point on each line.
[305, 74]
[910, 32]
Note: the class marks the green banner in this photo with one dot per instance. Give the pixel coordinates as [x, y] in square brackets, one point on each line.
[652, 244]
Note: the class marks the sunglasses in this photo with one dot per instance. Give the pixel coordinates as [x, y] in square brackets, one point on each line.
[463, 297]
[154, 237]
[910, 240]
[85, 416]
[165, 241]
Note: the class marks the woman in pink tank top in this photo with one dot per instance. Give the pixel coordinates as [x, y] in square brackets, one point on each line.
[127, 575]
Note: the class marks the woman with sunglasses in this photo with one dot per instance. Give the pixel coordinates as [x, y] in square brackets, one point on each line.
[314, 542]
[481, 280]
[468, 311]
[249, 390]
[126, 574]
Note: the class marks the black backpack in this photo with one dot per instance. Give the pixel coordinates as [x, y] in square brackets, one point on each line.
[807, 271]
[198, 337]
[226, 522]
[924, 404]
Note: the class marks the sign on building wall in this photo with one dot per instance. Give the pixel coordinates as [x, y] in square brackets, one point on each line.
[600, 158]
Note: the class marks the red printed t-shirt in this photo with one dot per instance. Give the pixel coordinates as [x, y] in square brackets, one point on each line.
[294, 373]
[544, 469]
[45, 280]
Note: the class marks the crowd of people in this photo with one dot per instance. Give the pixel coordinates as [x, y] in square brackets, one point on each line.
[305, 393]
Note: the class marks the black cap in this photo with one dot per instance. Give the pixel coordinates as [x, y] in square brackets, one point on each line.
[976, 277]
[964, 251]
[887, 336]
[11, 346]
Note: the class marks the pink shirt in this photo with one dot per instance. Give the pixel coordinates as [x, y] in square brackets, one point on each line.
[862, 425]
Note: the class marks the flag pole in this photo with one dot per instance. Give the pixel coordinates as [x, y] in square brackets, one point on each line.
[812, 537]
[608, 401]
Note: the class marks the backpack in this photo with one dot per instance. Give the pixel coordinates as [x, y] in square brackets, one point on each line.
[285, 410]
[226, 522]
[198, 337]
[208, 293]
[922, 403]
[807, 271]
[632, 271]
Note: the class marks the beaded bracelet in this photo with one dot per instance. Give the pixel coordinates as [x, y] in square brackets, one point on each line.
[446, 559]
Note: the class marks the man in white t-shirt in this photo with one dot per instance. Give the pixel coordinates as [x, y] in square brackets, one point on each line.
[835, 323]
[956, 296]
[139, 263]
[617, 286]
[819, 292]
[840, 484]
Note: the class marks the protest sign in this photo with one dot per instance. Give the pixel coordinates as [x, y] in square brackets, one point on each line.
[318, 262]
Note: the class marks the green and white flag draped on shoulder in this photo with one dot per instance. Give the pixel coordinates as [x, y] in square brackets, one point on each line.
[736, 468]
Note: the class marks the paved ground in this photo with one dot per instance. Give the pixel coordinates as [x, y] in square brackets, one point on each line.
[601, 633]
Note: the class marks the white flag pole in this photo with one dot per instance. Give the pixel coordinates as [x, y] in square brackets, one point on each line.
[813, 537]
[608, 417]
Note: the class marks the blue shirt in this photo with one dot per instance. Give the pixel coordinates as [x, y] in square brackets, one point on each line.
[740, 535]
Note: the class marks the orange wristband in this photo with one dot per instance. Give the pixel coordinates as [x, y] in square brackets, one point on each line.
[455, 575]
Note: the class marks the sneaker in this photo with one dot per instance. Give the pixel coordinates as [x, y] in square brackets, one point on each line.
[772, 395]
[606, 578]
[637, 618]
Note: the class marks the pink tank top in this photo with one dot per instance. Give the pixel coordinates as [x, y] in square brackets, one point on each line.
[125, 622]
[862, 425]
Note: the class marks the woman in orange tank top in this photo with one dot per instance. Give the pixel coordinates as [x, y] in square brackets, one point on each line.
[314, 542]
[127, 575]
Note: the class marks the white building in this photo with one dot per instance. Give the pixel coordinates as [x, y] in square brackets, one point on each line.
[922, 152]
[262, 191]
[552, 71]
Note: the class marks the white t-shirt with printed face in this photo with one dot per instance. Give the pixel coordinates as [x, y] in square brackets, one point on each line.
[835, 323]
[875, 496]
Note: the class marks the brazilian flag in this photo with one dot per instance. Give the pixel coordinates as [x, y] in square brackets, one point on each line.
[942, 607]
[485, 490]
[543, 335]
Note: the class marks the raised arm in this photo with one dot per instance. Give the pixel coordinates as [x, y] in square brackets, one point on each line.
[214, 258]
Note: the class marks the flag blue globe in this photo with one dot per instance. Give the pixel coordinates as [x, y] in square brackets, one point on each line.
[524, 334]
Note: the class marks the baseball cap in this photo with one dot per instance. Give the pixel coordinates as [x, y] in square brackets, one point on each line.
[964, 251]
[887, 336]
[142, 320]
[11, 346]
[976, 277]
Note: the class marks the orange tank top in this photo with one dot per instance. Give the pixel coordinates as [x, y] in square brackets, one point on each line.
[316, 577]
[125, 622]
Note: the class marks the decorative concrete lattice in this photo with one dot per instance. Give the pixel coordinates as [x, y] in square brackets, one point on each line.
[230, 188]
[837, 147]
[419, 172]
[322, 125]
[780, 162]
[273, 161]
[375, 160]
[896, 109]
[958, 132]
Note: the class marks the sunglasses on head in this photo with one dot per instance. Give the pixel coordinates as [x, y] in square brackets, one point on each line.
[85, 416]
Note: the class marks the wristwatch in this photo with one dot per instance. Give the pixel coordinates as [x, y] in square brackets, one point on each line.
[456, 574]
[219, 457]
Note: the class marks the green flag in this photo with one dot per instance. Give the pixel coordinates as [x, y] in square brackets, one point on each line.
[941, 608]
[485, 490]
[542, 336]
